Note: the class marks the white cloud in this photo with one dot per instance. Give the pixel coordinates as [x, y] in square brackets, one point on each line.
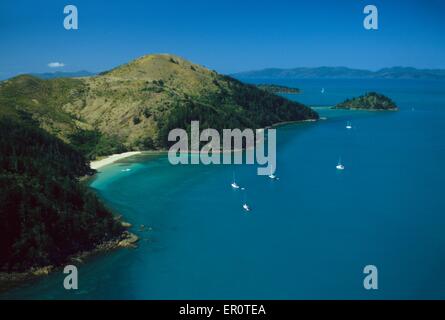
[56, 64]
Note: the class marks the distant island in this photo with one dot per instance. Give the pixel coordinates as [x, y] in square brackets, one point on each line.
[370, 101]
[343, 73]
[275, 88]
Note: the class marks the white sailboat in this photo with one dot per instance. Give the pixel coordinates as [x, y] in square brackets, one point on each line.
[339, 166]
[245, 205]
[271, 175]
[348, 125]
[234, 184]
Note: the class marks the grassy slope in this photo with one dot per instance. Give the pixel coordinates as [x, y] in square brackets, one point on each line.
[42, 100]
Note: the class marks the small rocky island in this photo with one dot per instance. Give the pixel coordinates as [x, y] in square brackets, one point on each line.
[275, 88]
[371, 101]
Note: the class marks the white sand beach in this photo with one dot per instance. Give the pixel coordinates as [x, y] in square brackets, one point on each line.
[110, 159]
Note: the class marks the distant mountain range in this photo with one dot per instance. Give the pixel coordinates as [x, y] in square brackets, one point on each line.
[62, 74]
[343, 73]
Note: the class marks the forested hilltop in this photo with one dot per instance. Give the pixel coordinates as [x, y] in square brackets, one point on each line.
[372, 101]
[134, 106]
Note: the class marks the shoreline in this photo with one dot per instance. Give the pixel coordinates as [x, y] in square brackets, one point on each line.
[11, 280]
[283, 123]
[365, 109]
[97, 164]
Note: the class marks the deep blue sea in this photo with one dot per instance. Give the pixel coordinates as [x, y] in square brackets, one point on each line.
[309, 234]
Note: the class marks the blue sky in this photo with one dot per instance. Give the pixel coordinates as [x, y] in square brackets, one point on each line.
[228, 36]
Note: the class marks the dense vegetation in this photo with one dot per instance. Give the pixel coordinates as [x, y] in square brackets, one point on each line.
[93, 144]
[46, 214]
[275, 88]
[369, 101]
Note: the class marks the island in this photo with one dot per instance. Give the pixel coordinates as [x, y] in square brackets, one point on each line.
[275, 88]
[51, 129]
[371, 101]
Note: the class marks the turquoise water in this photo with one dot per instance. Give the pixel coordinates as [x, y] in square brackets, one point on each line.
[309, 234]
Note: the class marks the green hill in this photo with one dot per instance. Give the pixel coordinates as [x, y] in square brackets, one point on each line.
[146, 98]
[371, 101]
[135, 105]
[43, 101]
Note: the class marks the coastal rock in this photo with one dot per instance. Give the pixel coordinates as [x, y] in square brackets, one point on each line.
[126, 224]
[128, 240]
[42, 271]
[77, 260]
[9, 280]
[144, 228]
